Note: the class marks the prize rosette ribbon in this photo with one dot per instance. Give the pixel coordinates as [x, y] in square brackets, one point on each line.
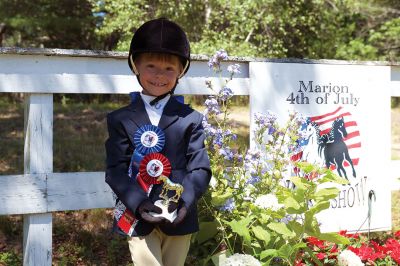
[149, 139]
[151, 167]
[146, 165]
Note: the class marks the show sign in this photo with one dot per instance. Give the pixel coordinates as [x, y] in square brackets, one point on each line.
[348, 130]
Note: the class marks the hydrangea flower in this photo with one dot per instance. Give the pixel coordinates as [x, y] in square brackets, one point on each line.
[268, 201]
[349, 258]
[229, 205]
[240, 260]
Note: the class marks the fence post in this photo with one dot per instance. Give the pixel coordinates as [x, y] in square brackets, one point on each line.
[38, 159]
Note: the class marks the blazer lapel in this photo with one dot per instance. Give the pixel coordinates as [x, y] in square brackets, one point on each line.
[170, 113]
[139, 115]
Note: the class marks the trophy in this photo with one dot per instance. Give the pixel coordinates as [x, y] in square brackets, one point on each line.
[168, 186]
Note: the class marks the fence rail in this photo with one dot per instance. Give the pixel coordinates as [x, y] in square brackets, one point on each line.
[40, 73]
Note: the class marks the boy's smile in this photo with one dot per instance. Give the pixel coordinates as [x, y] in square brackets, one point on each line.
[157, 76]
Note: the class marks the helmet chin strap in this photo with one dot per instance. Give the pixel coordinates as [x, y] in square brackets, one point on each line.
[162, 96]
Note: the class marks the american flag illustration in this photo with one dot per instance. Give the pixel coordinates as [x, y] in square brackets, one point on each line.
[312, 148]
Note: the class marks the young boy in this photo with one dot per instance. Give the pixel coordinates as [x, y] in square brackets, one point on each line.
[159, 131]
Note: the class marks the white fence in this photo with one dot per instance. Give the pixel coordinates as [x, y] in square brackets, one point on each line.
[40, 73]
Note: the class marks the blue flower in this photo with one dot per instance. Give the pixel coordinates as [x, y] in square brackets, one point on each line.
[225, 93]
[218, 137]
[229, 205]
[234, 69]
[252, 155]
[253, 179]
[266, 121]
[215, 61]
[212, 105]
[209, 130]
[227, 153]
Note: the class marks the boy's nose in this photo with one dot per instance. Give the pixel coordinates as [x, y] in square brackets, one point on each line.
[159, 72]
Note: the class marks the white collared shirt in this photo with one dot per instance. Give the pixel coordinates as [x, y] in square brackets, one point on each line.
[154, 112]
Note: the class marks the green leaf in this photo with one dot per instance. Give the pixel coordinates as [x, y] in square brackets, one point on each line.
[319, 207]
[207, 231]
[291, 203]
[306, 167]
[330, 176]
[327, 193]
[281, 228]
[265, 217]
[310, 223]
[261, 234]
[268, 253]
[285, 251]
[218, 199]
[299, 182]
[241, 228]
[334, 238]
[296, 227]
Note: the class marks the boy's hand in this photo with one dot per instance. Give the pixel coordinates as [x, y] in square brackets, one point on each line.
[182, 211]
[181, 215]
[147, 206]
[172, 207]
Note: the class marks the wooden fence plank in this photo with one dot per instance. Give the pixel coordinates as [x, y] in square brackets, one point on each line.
[98, 84]
[38, 159]
[22, 194]
[77, 191]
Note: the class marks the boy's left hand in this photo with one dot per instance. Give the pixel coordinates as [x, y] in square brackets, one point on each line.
[182, 211]
[181, 216]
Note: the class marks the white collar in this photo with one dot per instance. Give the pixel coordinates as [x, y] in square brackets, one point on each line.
[159, 105]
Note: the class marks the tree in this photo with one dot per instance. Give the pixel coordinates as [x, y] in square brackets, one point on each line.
[265, 28]
[46, 23]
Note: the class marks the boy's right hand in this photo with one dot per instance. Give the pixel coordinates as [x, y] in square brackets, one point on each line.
[147, 206]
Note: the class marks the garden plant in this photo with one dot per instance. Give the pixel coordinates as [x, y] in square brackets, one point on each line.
[262, 205]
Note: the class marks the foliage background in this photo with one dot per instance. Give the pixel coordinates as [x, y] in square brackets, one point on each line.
[330, 29]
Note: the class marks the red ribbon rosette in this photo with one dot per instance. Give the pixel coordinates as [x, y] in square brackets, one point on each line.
[151, 167]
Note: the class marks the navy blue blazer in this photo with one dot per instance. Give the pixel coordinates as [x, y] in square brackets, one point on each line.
[184, 147]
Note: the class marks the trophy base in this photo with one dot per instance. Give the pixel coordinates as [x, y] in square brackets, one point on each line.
[167, 215]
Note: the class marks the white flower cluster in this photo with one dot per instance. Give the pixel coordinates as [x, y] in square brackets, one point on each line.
[268, 201]
[240, 260]
[349, 258]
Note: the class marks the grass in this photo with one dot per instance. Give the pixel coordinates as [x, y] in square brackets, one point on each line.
[84, 237]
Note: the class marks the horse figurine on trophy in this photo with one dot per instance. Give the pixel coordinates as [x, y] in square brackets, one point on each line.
[170, 186]
[164, 203]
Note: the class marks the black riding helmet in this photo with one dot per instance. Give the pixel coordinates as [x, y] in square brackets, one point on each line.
[160, 36]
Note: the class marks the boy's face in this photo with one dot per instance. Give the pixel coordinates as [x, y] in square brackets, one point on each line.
[156, 74]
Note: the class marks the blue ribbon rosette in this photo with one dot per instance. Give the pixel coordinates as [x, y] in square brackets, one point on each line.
[149, 139]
